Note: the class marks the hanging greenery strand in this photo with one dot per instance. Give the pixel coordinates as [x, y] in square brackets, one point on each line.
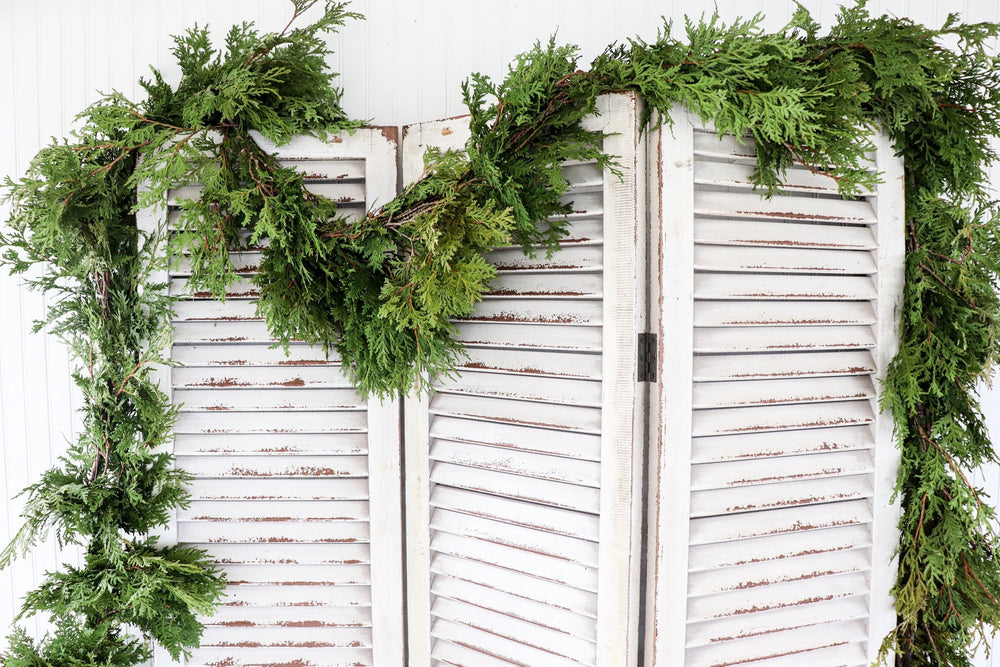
[384, 290]
[72, 234]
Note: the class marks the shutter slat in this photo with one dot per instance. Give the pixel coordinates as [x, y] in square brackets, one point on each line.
[517, 607]
[328, 575]
[764, 471]
[764, 445]
[782, 260]
[277, 489]
[536, 466]
[524, 438]
[753, 625]
[271, 422]
[343, 192]
[319, 511]
[543, 415]
[777, 418]
[239, 289]
[778, 495]
[280, 655]
[797, 644]
[585, 200]
[291, 554]
[795, 520]
[710, 144]
[775, 339]
[583, 229]
[533, 363]
[791, 365]
[740, 175]
[529, 336]
[214, 532]
[766, 286]
[220, 332]
[556, 494]
[775, 392]
[318, 169]
[783, 235]
[271, 466]
[546, 389]
[775, 596]
[848, 655]
[492, 644]
[572, 524]
[534, 542]
[583, 174]
[551, 284]
[249, 618]
[239, 354]
[569, 258]
[272, 443]
[232, 310]
[246, 263]
[770, 313]
[552, 570]
[517, 583]
[300, 596]
[303, 637]
[531, 634]
[787, 207]
[242, 400]
[757, 575]
[778, 547]
[456, 655]
[537, 311]
[249, 376]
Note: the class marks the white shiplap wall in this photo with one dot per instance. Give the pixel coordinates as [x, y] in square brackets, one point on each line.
[403, 65]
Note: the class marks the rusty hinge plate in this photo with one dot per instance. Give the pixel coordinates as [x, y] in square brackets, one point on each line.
[646, 371]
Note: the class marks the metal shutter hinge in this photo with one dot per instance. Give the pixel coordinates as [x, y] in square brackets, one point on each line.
[647, 358]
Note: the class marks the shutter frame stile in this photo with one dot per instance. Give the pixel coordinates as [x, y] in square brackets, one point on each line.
[600, 611]
[623, 411]
[890, 205]
[149, 220]
[416, 444]
[344, 601]
[445, 134]
[672, 202]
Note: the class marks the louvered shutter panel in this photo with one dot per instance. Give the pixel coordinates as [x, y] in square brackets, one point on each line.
[773, 468]
[297, 479]
[524, 473]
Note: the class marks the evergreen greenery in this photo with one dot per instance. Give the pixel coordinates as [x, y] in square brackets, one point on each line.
[72, 234]
[383, 290]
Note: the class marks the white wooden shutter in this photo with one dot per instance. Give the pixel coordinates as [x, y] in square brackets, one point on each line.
[524, 474]
[297, 479]
[773, 534]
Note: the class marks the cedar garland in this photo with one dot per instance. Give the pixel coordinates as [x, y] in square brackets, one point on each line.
[383, 290]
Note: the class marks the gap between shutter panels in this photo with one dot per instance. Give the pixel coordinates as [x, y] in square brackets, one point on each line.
[783, 400]
[278, 448]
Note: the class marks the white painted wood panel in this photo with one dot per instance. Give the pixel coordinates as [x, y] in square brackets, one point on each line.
[769, 427]
[524, 471]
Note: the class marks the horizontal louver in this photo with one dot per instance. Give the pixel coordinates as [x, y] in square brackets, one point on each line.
[775, 434]
[528, 467]
[296, 482]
